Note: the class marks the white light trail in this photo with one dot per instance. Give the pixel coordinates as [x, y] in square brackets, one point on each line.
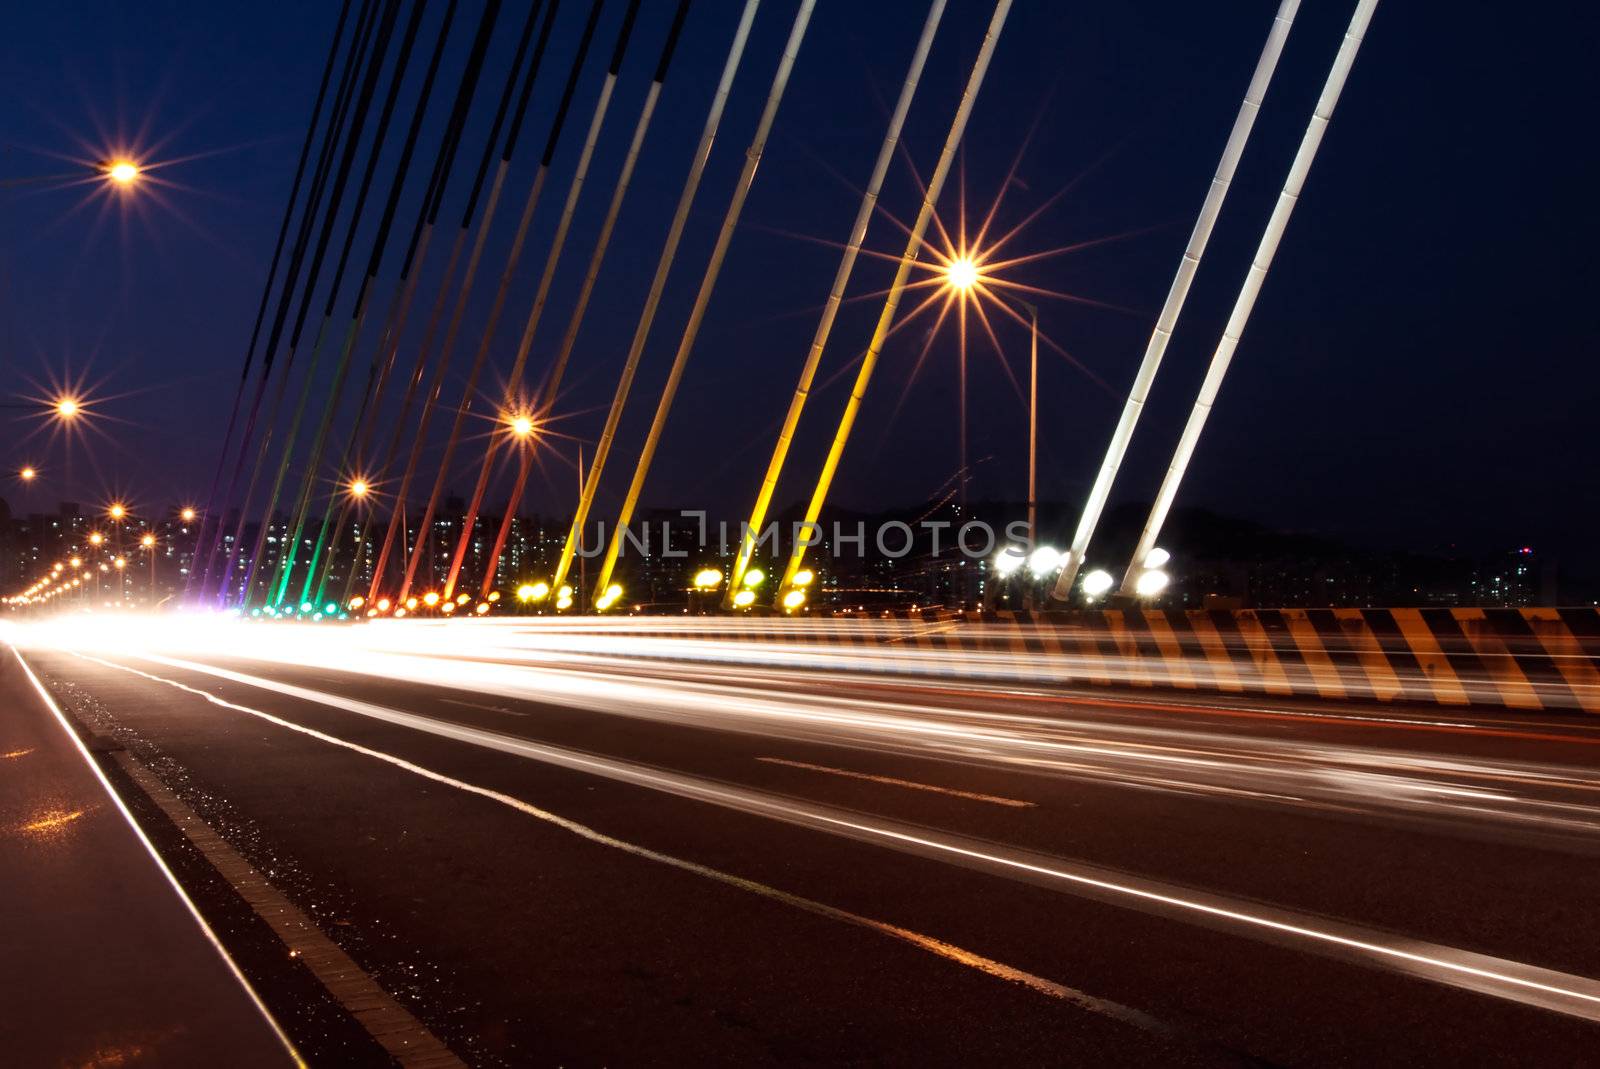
[1496, 977]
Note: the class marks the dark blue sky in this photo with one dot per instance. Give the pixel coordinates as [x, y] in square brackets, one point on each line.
[1419, 371]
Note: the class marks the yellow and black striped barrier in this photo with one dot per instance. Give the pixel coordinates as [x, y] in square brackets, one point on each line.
[1519, 659]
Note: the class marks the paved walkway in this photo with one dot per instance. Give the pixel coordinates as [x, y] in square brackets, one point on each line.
[102, 961]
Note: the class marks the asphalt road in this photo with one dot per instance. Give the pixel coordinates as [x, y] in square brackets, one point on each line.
[603, 860]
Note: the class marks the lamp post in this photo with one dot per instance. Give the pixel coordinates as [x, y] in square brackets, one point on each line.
[1033, 435]
[148, 541]
[1033, 424]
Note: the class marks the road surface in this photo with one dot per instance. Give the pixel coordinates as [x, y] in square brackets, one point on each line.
[593, 858]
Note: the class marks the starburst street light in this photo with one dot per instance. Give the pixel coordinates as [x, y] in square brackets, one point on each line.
[117, 511]
[187, 515]
[359, 488]
[68, 407]
[124, 172]
[962, 273]
[27, 474]
[521, 425]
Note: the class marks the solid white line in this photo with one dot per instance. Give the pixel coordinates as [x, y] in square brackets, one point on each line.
[948, 951]
[1566, 993]
[391, 1025]
[194, 911]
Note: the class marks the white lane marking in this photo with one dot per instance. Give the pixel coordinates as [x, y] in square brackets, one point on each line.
[474, 705]
[391, 1025]
[194, 911]
[894, 781]
[948, 951]
[1498, 977]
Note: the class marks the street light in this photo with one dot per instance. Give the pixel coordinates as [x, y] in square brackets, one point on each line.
[123, 172]
[1151, 583]
[148, 541]
[359, 488]
[117, 511]
[1097, 583]
[27, 474]
[962, 274]
[1010, 559]
[1044, 560]
[187, 515]
[521, 424]
[68, 407]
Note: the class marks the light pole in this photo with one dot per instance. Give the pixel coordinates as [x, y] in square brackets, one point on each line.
[1033, 435]
[149, 543]
[1033, 424]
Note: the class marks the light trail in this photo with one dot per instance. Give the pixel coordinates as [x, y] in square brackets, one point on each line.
[810, 693]
[935, 946]
[1484, 974]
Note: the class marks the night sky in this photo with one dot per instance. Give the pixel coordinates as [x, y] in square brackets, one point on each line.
[1420, 370]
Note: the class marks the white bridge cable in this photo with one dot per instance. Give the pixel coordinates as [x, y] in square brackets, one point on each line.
[1251, 289]
[1188, 267]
